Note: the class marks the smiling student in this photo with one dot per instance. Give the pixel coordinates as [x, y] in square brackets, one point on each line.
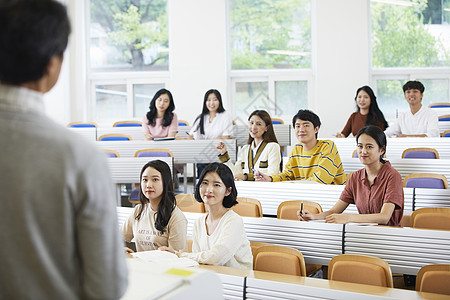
[261, 153]
[419, 121]
[311, 159]
[156, 221]
[160, 121]
[367, 113]
[218, 236]
[376, 190]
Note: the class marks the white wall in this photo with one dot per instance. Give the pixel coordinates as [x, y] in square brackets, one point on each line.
[197, 42]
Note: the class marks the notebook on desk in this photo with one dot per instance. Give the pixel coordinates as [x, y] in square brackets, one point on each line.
[164, 139]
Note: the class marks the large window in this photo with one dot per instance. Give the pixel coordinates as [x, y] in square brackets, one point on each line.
[410, 41]
[128, 35]
[270, 56]
[270, 34]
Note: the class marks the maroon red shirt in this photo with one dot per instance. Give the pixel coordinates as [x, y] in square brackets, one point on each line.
[387, 187]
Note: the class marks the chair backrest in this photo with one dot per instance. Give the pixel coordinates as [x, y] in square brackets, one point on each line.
[434, 279]
[428, 153]
[127, 124]
[114, 137]
[288, 209]
[444, 118]
[426, 180]
[360, 269]
[279, 259]
[134, 196]
[156, 152]
[183, 123]
[187, 203]
[248, 207]
[276, 121]
[355, 154]
[256, 245]
[431, 218]
[82, 125]
[439, 104]
[445, 133]
[111, 153]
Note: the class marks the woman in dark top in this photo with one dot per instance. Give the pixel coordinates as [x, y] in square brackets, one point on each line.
[367, 113]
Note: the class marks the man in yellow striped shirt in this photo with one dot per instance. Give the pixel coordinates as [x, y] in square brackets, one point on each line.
[311, 159]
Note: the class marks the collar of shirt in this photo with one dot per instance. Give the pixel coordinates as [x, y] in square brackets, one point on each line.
[15, 98]
[383, 169]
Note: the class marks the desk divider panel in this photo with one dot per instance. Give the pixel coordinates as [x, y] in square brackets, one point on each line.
[128, 169]
[396, 146]
[89, 133]
[233, 286]
[431, 198]
[184, 151]
[136, 133]
[405, 249]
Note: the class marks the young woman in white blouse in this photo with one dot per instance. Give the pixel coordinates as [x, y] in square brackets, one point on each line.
[214, 122]
[261, 153]
[156, 221]
[218, 237]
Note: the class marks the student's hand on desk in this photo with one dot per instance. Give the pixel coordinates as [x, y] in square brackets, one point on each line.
[148, 136]
[340, 135]
[337, 218]
[190, 137]
[305, 215]
[222, 148]
[165, 248]
[240, 177]
[401, 135]
[262, 177]
[128, 250]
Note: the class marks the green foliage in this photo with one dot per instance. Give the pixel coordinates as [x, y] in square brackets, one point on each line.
[400, 39]
[133, 26]
[259, 26]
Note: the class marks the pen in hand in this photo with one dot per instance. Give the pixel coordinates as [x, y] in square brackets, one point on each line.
[259, 174]
[301, 209]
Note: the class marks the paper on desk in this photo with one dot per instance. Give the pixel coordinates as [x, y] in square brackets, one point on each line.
[165, 257]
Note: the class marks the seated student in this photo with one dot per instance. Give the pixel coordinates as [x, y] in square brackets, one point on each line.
[156, 221]
[419, 121]
[376, 190]
[218, 236]
[367, 113]
[261, 153]
[160, 121]
[312, 159]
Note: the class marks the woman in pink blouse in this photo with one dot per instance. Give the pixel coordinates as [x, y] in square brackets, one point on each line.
[160, 121]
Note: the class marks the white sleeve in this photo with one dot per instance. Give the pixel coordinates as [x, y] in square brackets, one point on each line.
[433, 125]
[274, 159]
[393, 129]
[228, 125]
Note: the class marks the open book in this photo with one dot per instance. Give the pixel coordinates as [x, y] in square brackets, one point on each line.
[165, 257]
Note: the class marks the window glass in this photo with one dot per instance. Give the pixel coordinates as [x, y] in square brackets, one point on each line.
[270, 34]
[142, 95]
[410, 33]
[391, 99]
[128, 37]
[290, 97]
[110, 102]
[249, 97]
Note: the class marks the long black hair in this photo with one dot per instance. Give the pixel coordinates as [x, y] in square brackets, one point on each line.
[205, 110]
[375, 114]
[168, 202]
[377, 134]
[269, 135]
[153, 112]
[227, 178]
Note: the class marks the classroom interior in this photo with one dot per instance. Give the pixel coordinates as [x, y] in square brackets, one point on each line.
[340, 57]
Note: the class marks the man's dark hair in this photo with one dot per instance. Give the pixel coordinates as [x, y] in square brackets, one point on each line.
[32, 32]
[413, 85]
[307, 115]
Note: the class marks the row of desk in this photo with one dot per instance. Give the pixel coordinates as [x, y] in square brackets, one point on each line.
[240, 132]
[405, 249]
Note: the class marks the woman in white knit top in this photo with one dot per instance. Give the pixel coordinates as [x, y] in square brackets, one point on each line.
[262, 152]
[218, 237]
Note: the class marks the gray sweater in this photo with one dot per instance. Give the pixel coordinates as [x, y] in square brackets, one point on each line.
[58, 222]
